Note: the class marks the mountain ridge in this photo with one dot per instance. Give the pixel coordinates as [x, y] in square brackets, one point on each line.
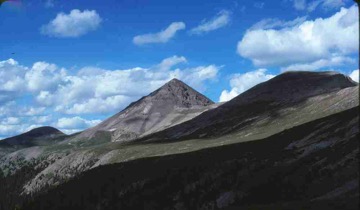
[285, 90]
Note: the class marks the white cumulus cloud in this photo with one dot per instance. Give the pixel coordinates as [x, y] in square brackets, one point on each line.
[33, 111]
[10, 121]
[93, 90]
[110, 90]
[75, 122]
[307, 42]
[320, 64]
[43, 75]
[220, 20]
[9, 129]
[11, 80]
[11, 76]
[76, 97]
[160, 37]
[74, 24]
[355, 75]
[239, 83]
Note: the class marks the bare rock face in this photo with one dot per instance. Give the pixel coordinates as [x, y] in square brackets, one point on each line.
[171, 104]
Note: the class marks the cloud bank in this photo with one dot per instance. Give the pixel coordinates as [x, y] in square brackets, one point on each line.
[72, 101]
[304, 42]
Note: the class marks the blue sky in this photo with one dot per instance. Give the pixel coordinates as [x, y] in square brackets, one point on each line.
[70, 64]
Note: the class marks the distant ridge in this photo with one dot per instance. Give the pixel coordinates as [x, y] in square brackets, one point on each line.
[28, 138]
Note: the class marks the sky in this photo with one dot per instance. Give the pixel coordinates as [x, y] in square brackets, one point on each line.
[72, 64]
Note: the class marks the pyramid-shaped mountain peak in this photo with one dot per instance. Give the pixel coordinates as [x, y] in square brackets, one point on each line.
[172, 103]
[179, 94]
[172, 85]
[175, 83]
